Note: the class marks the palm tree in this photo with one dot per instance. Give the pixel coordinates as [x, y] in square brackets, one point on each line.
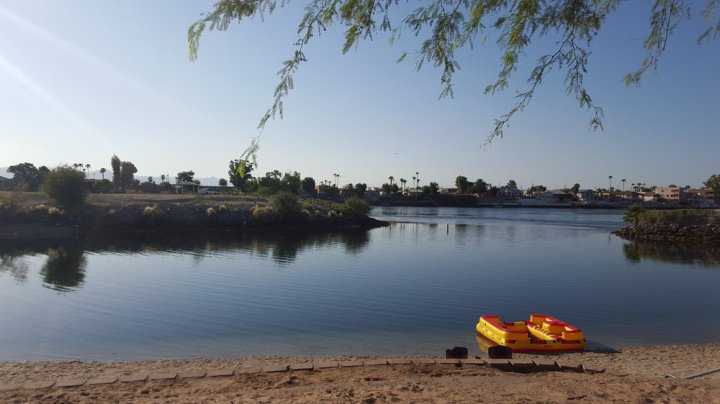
[391, 179]
[402, 185]
[610, 177]
[88, 168]
[102, 172]
[414, 186]
[417, 174]
[623, 183]
[162, 178]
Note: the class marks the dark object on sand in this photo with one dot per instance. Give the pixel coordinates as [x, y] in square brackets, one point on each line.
[459, 352]
[499, 352]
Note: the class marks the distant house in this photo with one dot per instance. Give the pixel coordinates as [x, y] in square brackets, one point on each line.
[671, 194]
[555, 195]
[509, 193]
[587, 194]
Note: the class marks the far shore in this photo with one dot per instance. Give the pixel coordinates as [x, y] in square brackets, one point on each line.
[673, 373]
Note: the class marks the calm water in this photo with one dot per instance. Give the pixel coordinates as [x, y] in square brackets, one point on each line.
[416, 287]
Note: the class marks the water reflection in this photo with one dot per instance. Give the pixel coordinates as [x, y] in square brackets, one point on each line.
[64, 269]
[700, 256]
[65, 262]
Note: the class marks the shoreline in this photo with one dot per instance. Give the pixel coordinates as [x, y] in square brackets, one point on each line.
[633, 374]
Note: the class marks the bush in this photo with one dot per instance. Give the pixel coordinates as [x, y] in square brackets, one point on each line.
[287, 205]
[102, 187]
[633, 213]
[264, 213]
[65, 186]
[355, 207]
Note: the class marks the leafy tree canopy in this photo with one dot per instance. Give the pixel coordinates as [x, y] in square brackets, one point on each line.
[713, 182]
[185, 176]
[446, 26]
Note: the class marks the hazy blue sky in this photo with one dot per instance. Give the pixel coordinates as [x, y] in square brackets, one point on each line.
[81, 80]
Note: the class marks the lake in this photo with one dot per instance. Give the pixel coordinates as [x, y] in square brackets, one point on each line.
[416, 287]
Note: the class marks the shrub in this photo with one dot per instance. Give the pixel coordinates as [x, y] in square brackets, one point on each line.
[355, 207]
[287, 205]
[102, 187]
[264, 213]
[222, 208]
[65, 186]
[210, 212]
[149, 211]
[633, 213]
[55, 212]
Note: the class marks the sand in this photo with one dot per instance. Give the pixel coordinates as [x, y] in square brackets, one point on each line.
[637, 374]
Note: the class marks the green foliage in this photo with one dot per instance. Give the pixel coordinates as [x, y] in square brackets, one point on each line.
[633, 213]
[239, 173]
[26, 177]
[291, 182]
[102, 187]
[480, 187]
[287, 205]
[222, 182]
[511, 184]
[433, 188]
[65, 186]
[115, 164]
[713, 182]
[575, 189]
[566, 28]
[354, 207]
[308, 185]
[681, 217]
[462, 184]
[185, 176]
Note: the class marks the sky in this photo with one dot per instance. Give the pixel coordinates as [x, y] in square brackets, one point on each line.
[81, 80]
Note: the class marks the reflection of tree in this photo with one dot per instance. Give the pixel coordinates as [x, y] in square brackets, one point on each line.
[704, 256]
[15, 266]
[64, 268]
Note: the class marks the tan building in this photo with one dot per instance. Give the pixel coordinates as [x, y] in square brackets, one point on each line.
[670, 194]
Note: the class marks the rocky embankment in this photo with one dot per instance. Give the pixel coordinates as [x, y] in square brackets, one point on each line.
[42, 222]
[672, 233]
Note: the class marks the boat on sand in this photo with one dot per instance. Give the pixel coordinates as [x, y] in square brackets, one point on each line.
[542, 333]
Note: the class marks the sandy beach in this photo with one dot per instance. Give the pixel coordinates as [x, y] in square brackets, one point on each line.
[636, 374]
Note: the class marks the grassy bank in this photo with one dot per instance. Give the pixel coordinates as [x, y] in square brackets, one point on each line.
[32, 215]
[683, 226]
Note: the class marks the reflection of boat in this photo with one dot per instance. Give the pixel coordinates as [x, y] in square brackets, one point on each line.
[540, 334]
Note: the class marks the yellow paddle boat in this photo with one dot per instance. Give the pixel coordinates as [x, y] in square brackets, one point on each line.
[541, 333]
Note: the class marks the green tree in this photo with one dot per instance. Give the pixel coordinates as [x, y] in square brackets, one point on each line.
[633, 213]
[271, 183]
[102, 172]
[127, 174]
[222, 182]
[308, 185]
[240, 172]
[291, 182]
[65, 186]
[480, 187]
[360, 189]
[462, 184]
[185, 176]
[115, 164]
[575, 189]
[713, 182]
[433, 188]
[27, 175]
[511, 184]
[564, 30]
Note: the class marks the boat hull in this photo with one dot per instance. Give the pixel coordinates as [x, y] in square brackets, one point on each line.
[541, 334]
